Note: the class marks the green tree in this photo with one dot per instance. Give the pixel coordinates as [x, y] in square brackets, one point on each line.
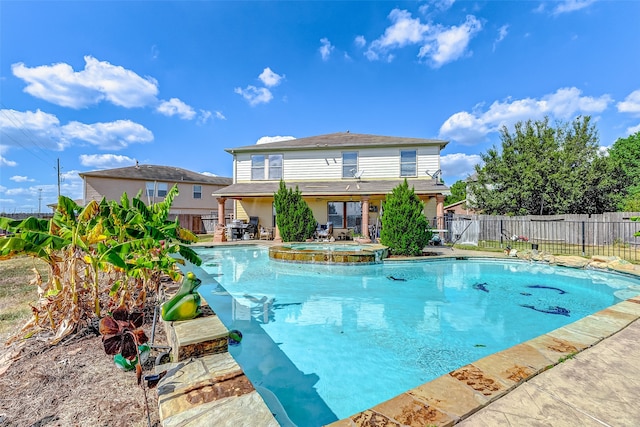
[545, 170]
[625, 155]
[405, 230]
[294, 217]
[458, 192]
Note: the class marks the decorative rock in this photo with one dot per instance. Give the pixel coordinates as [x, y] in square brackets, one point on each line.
[513, 252]
[571, 261]
[602, 258]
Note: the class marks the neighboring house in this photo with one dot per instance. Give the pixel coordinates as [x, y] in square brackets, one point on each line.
[344, 177]
[195, 199]
[459, 208]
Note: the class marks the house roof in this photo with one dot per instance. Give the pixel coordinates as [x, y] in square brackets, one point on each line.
[330, 188]
[337, 140]
[158, 173]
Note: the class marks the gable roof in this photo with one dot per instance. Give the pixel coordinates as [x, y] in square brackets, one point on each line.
[158, 173]
[338, 140]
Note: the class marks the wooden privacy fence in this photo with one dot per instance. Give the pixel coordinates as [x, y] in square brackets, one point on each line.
[604, 234]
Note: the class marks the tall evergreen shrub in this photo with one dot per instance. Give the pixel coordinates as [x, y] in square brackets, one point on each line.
[293, 215]
[405, 230]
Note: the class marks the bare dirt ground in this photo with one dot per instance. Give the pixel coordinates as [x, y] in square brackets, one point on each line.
[74, 383]
[71, 384]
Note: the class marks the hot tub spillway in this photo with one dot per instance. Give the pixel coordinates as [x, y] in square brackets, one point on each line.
[329, 253]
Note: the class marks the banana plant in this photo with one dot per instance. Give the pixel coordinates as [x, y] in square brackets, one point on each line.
[101, 252]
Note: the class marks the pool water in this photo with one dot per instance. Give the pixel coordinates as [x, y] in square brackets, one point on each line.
[330, 341]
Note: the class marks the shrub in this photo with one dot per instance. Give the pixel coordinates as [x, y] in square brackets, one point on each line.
[293, 215]
[405, 229]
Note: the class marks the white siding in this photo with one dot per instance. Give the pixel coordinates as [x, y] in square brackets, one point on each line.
[319, 165]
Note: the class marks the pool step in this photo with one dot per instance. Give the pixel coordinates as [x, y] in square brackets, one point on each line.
[203, 385]
[197, 337]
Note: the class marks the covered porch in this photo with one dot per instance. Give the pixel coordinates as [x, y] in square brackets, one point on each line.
[353, 207]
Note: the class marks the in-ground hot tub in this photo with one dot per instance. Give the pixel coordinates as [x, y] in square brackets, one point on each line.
[329, 253]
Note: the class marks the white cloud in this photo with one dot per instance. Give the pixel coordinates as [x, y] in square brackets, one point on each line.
[404, 31]
[175, 107]
[106, 161]
[255, 95]
[220, 116]
[448, 44]
[99, 81]
[30, 129]
[20, 178]
[325, 48]
[208, 174]
[43, 131]
[502, 33]
[459, 164]
[108, 136]
[470, 128]
[438, 44]
[633, 129]
[631, 103]
[268, 139]
[6, 162]
[269, 78]
[571, 6]
[360, 41]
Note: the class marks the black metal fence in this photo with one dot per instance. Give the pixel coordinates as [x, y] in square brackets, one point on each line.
[608, 234]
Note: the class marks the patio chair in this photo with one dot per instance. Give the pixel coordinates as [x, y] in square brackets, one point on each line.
[325, 232]
[265, 233]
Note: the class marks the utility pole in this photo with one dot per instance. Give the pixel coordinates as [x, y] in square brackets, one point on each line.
[58, 169]
[39, 201]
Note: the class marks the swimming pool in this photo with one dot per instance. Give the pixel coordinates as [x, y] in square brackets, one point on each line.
[330, 341]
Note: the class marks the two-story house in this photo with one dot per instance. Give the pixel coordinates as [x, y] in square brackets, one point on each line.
[195, 199]
[344, 177]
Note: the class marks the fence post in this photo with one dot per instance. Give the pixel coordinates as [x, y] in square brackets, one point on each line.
[501, 233]
[582, 238]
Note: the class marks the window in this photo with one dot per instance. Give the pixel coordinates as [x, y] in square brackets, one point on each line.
[335, 214]
[338, 212]
[163, 187]
[151, 189]
[257, 167]
[408, 163]
[349, 164]
[197, 191]
[275, 166]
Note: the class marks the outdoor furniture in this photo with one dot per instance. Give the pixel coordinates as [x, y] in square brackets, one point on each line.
[236, 229]
[266, 233]
[325, 231]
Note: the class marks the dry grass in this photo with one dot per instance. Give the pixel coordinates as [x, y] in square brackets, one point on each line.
[16, 292]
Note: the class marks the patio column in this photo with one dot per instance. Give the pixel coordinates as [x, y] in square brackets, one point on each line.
[220, 232]
[277, 237]
[221, 201]
[365, 217]
[440, 211]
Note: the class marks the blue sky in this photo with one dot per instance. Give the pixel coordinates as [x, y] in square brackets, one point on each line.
[103, 84]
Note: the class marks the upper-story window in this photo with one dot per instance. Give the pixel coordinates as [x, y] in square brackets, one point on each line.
[408, 163]
[275, 166]
[349, 164]
[257, 166]
[197, 191]
[156, 189]
[163, 188]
